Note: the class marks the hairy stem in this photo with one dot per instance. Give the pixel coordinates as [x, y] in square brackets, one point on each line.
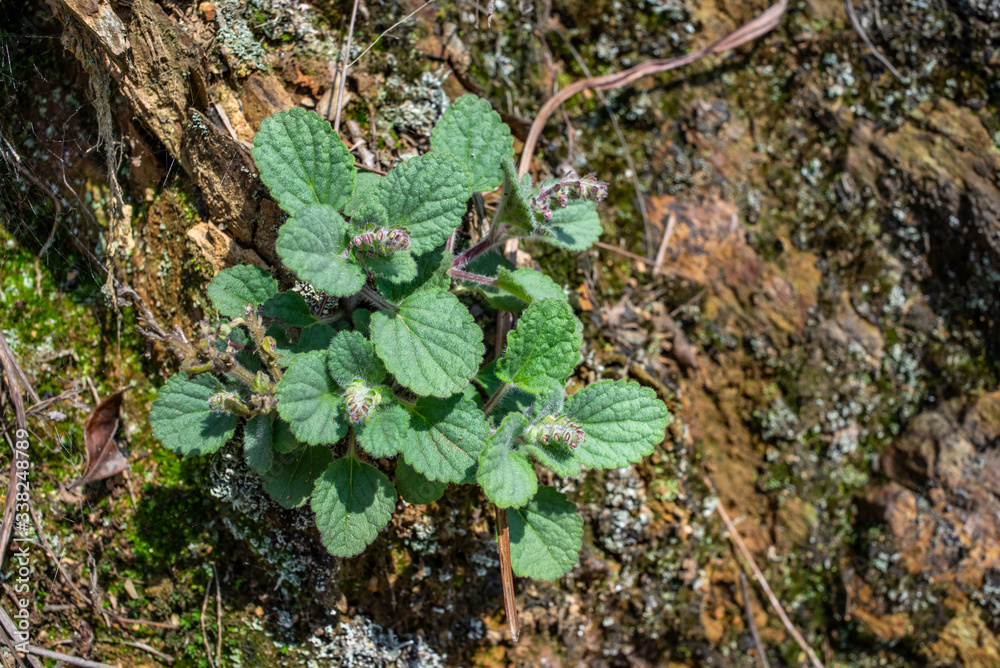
[484, 246]
[472, 278]
[495, 399]
[377, 300]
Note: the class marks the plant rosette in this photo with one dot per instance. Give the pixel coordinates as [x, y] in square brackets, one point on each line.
[394, 367]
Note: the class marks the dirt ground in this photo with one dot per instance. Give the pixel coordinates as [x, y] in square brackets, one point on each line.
[800, 256]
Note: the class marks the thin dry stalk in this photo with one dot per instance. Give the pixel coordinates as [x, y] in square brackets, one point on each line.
[662, 252]
[762, 581]
[507, 574]
[67, 658]
[858, 28]
[218, 619]
[389, 30]
[761, 25]
[761, 654]
[622, 251]
[9, 642]
[621, 139]
[13, 377]
[343, 70]
[204, 627]
[166, 658]
[45, 403]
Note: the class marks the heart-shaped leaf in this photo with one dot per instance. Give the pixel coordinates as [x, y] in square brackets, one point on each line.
[311, 244]
[310, 400]
[302, 160]
[182, 420]
[353, 502]
[545, 536]
[431, 343]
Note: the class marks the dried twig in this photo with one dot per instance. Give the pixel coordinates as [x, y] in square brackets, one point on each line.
[761, 654]
[343, 70]
[761, 25]
[387, 31]
[7, 634]
[67, 658]
[14, 378]
[622, 251]
[858, 28]
[640, 198]
[218, 618]
[762, 581]
[204, 627]
[166, 658]
[506, 574]
[45, 403]
[374, 170]
[662, 252]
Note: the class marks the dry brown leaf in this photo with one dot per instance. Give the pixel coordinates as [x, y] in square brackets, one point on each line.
[103, 457]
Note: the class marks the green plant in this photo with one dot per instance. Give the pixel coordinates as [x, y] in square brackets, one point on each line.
[325, 386]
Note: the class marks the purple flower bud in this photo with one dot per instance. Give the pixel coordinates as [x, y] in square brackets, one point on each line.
[360, 401]
[557, 429]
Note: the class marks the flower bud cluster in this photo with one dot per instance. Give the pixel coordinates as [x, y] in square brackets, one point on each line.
[380, 241]
[361, 400]
[557, 429]
[569, 187]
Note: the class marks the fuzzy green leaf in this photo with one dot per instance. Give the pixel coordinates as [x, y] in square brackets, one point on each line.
[351, 357]
[522, 287]
[507, 477]
[432, 272]
[290, 308]
[544, 349]
[445, 438]
[233, 288]
[623, 422]
[182, 420]
[513, 401]
[415, 488]
[575, 227]
[514, 289]
[399, 267]
[290, 478]
[302, 160]
[471, 131]
[370, 213]
[362, 321]
[384, 432]
[309, 399]
[353, 502]
[561, 458]
[257, 448]
[365, 186]
[313, 337]
[283, 438]
[427, 196]
[515, 204]
[431, 343]
[545, 536]
[311, 243]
